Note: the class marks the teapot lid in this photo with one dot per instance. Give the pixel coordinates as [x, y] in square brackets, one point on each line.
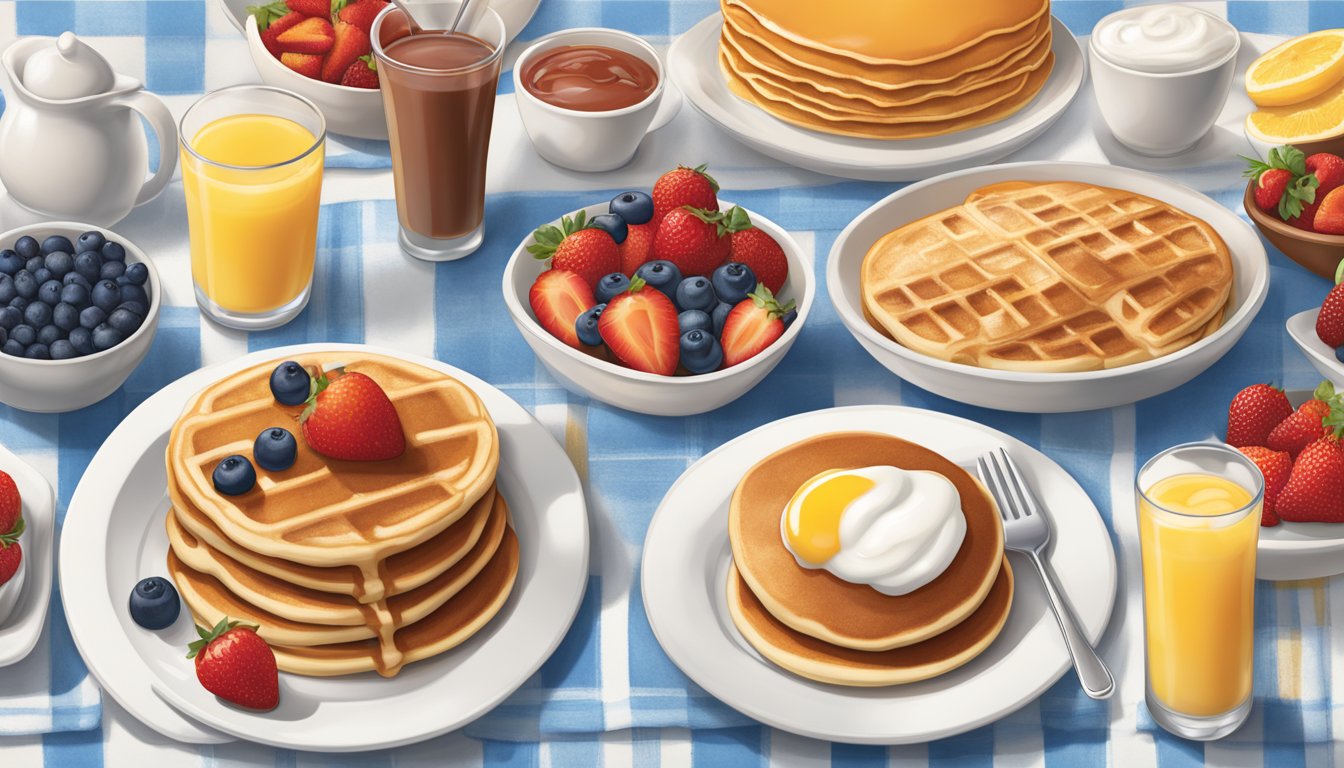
[70, 69]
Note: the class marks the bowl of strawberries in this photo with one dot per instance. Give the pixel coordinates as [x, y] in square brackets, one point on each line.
[669, 303]
[1319, 333]
[1297, 202]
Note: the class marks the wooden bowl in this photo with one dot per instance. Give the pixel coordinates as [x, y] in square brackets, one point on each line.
[1317, 253]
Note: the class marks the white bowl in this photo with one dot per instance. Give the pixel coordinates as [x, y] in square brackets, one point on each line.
[1031, 392]
[1302, 330]
[57, 386]
[648, 392]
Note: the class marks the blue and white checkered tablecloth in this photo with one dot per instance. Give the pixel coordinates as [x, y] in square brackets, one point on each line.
[609, 695]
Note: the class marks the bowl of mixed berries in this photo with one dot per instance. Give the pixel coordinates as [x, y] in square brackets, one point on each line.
[669, 303]
[1297, 202]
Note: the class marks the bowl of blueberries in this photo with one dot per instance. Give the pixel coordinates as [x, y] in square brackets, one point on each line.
[78, 310]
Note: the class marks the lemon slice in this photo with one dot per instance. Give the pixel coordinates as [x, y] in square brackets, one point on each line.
[1298, 70]
[1319, 118]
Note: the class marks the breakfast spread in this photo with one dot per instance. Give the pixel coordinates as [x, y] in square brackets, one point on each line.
[326, 40]
[1049, 276]
[1296, 87]
[11, 548]
[589, 78]
[863, 559]
[886, 70]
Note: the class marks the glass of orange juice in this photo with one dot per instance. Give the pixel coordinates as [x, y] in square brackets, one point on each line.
[1199, 523]
[252, 170]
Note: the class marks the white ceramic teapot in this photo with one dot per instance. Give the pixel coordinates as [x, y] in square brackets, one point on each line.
[70, 145]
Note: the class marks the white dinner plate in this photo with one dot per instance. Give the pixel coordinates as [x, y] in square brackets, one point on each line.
[21, 629]
[694, 66]
[515, 13]
[686, 557]
[114, 536]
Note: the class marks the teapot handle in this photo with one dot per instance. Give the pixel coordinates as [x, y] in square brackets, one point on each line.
[165, 129]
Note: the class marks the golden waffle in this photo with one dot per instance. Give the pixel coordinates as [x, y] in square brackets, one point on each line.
[816, 603]
[1049, 276]
[816, 660]
[324, 512]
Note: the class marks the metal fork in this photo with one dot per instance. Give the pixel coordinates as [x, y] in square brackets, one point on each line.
[1026, 529]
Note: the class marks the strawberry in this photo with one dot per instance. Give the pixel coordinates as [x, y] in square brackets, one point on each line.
[361, 13]
[1254, 413]
[751, 326]
[319, 8]
[1329, 216]
[558, 297]
[697, 240]
[637, 247]
[1306, 424]
[306, 64]
[640, 328]
[272, 20]
[11, 527]
[684, 186]
[759, 251]
[1276, 466]
[1315, 489]
[1330, 320]
[1328, 170]
[11, 504]
[578, 247]
[350, 417]
[350, 43]
[235, 664]
[1307, 219]
[1282, 184]
[11, 556]
[311, 36]
[363, 73]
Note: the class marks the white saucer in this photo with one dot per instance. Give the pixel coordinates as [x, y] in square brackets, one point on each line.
[21, 629]
[686, 556]
[114, 536]
[694, 67]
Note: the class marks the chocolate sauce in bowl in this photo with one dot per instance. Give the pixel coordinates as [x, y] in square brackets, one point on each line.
[589, 78]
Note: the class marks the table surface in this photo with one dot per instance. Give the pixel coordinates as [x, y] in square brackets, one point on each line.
[366, 291]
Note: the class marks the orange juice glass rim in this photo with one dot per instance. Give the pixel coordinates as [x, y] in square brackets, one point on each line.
[1257, 496]
[186, 143]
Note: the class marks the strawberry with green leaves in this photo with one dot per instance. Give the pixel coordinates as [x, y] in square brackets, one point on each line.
[363, 73]
[349, 417]
[11, 527]
[683, 186]
[752, 325]
[1307, 424]
[272, 21]
[1282, 184]
[235, 664]
[577, 246]
[696, 240]
[1315, 489]
[1330, 320]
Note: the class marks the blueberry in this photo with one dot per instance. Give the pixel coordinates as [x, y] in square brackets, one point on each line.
[75, 295]
[19, 303]
[586, 326]
[1339, 351]
[789, 317]
[4, 336]
[27, 247]
[37, 314]
[154, 603]
[12, 348]
[112, 270]
[695, 319]
[10, 262]
[733, 281]
[106, 295]
[662, 275]
[124, 320]
[35, 263]
[634, 207]
[10, 317]
[613, 225]
[82, 340]
[123, 281]
[91, 317]
[234, 476]
[130, 292]
[719, 315]
[37, 352]
[90, 241]
[611, 286]
[65, 316]
[49, 292]
[7, 289]
[275, 449]
[696, 293]
[700, 351]
[49, 334]
[290, 384]
[61, 349]
[43, 275]
[137, 273]
[60, 263]
[106, 337]
[25, 284]
[57, 243]
[113, 251]
[133, 306]
[89, 265]
[74, 278]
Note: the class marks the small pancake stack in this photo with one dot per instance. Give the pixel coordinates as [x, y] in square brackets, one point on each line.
[345, 567]
[886, 69]
[821, 627]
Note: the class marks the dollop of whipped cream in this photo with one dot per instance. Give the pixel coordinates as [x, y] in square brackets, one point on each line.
[1165, 38]
[892, 529]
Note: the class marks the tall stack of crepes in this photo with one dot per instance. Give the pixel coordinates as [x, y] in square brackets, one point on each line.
[345, 567]
[887, 69]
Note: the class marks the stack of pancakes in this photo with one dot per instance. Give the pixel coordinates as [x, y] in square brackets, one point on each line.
[817, 625]
[1049, 277]
[345, 567]
[886, 69]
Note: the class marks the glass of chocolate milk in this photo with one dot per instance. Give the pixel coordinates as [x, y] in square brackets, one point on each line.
[439, 96]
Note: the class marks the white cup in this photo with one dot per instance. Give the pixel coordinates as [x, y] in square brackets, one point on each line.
[590, 141]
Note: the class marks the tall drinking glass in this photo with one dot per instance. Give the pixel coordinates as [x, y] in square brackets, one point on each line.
[1199, 522]
[252, 170]
[439, 97]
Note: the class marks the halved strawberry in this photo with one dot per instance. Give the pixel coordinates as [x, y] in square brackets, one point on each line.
[640, 328]
[306, 64]
[351, 43]
[312, 36]
[751, 326]
[272, 21]
[361, 13]
[558, 297]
